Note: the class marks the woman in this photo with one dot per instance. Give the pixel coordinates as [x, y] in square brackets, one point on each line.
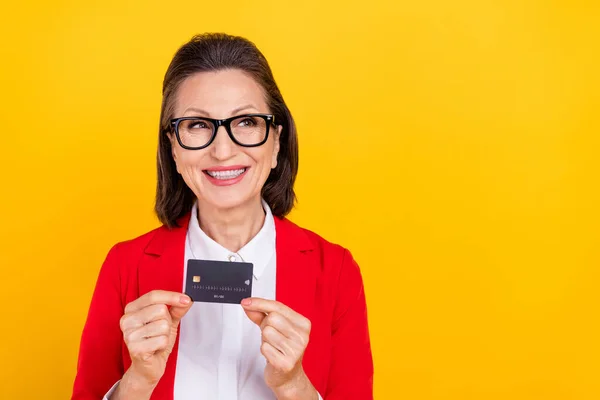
[227, 161]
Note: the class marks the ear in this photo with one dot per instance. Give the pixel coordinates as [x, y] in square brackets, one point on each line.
[276, 146]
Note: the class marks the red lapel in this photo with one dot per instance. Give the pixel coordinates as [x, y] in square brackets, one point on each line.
[162, 268]
[296, 269]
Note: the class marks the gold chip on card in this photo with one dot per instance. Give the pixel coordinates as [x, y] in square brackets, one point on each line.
[196, 278]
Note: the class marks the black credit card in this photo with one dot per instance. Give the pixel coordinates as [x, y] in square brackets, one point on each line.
[218, 281]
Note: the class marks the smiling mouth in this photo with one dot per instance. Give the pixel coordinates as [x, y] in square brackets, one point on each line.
[225, 175]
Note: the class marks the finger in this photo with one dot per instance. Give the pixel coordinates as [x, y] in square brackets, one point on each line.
[269, 306]
[140, 318]
[178, 312]
[277, 340]
[147, 347]
[256, 316]
[174, 299]
[281, 323]
[276, 358]
[153, 329]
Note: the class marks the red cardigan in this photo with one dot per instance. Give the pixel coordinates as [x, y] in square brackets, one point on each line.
[318, 279]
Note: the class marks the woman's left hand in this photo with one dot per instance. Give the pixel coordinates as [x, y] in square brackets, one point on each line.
[285, 336]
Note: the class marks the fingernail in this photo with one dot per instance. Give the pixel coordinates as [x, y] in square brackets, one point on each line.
[246, 302]
[184, 300]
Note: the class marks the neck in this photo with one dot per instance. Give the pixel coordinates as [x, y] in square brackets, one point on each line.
[232, 228]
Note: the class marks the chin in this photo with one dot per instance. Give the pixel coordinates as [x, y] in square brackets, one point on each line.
[225, 202]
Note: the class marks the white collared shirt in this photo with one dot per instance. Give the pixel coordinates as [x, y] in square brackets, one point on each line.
[219, 347]
[219, 354]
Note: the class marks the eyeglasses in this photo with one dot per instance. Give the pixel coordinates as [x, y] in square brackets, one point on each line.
[249, 130]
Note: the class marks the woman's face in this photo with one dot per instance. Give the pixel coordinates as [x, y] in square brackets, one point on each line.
[213, 173]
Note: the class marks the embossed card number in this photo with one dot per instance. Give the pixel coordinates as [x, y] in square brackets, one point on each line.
[218, 281]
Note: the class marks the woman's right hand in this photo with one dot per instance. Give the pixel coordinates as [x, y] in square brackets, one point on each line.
[149, 329]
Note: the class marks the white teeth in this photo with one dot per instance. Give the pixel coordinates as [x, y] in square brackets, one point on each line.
[234, 173]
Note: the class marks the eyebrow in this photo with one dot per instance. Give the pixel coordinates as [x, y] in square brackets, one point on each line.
[206, 113]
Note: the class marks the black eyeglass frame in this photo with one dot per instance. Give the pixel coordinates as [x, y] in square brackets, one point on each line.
[216, 123]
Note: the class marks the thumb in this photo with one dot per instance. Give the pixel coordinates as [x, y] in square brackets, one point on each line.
[177, 312]
[255, 316]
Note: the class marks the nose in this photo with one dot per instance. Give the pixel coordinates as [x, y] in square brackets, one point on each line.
[222, 148]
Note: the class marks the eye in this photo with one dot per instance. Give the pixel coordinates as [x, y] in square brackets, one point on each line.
[198, 125]
[246, 122]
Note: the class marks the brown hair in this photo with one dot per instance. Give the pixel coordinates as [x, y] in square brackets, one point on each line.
[215, 52]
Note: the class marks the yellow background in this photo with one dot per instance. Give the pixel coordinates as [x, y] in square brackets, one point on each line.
[451, 145]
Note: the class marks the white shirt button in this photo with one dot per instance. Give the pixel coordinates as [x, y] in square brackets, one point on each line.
[231, 257]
